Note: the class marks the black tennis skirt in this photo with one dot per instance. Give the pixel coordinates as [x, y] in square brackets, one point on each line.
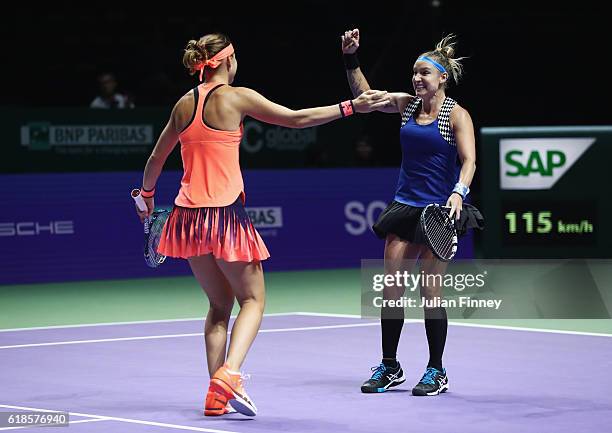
[401, 220]
[404, 221]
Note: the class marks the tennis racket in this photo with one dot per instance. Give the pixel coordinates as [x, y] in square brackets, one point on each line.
[153, 227]
[439, 230]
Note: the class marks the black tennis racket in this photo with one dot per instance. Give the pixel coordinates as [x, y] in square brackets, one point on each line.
[153, 226]
[439, 230]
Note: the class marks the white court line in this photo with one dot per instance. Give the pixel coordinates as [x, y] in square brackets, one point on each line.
[313, 328]
[102, 340]
[347, 316]
[198, 334]
[544, 330]
[128, 420]
[137, 322]
[52, 425]
[308, 313]
[474, 325]
[50, 411]
[89, 420]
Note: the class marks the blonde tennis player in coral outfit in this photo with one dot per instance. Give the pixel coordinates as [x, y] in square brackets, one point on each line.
[208, 225]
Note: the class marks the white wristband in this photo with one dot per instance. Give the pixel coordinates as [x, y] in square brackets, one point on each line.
[461, 189]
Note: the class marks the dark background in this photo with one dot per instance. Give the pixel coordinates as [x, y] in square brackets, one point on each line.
[530, 63]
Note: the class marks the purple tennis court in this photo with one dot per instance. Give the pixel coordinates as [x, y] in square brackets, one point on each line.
[306, 372]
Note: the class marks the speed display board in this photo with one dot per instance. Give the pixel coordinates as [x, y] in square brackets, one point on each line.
[546, 192]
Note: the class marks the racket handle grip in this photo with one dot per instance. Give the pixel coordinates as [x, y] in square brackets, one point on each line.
[140, 204]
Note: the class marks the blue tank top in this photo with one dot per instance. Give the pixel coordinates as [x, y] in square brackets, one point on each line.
[430, 164]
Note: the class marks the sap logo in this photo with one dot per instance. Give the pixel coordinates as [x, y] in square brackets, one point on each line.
[266, 217]
[538, 163]
[28, 228]
[554, 159]
[361, 217]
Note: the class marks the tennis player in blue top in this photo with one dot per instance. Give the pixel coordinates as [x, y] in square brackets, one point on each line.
[438, 164]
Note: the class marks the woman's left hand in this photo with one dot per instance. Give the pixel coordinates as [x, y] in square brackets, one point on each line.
[455, 202]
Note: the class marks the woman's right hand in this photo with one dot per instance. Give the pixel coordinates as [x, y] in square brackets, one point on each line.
[150, 203]
[371, 100]
[350, 41]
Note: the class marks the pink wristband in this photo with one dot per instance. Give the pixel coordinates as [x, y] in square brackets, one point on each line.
[347, 108]
[147, 194]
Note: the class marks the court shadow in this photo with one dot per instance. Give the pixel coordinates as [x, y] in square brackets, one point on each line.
[541, 406]
[398, 391]
[271, 424]
[198, 416]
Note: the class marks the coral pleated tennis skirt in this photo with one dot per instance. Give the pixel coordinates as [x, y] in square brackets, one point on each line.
[225, 232]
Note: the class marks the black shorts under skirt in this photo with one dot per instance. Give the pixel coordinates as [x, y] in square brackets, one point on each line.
[403, 221]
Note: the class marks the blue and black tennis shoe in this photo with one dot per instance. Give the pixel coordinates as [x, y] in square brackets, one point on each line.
[383, 378]
[433, 382]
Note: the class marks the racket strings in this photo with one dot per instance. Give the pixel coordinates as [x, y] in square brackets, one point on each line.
[440, 232]
[155, 226]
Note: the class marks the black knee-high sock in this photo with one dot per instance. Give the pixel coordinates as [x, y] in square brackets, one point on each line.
[436, 325]
[391, 323]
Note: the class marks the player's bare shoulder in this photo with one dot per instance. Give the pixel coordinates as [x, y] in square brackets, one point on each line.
[183, 110]
[459, 115]
[240, 92]
[240, 97]
[187, 100]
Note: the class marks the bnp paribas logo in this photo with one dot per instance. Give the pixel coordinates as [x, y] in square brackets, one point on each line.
[44, 135]
[538, 163]
[36, 135]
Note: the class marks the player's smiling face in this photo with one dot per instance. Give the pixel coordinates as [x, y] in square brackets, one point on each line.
[426, 79]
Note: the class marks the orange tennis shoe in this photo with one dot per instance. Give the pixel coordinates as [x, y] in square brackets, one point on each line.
[216, 404]
[228, 384]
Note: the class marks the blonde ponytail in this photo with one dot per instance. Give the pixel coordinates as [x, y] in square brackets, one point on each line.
[199, 51]
[444, 53]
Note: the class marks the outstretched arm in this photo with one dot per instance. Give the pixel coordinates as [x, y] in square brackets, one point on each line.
[358, 83]
[251, 103]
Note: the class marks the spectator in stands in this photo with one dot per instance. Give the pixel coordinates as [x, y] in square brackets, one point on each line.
[108, 96]
[364, 154]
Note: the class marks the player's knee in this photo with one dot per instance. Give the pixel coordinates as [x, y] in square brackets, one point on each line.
[431, 293]
[221, 311]
[393, 292]
[253, 301]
